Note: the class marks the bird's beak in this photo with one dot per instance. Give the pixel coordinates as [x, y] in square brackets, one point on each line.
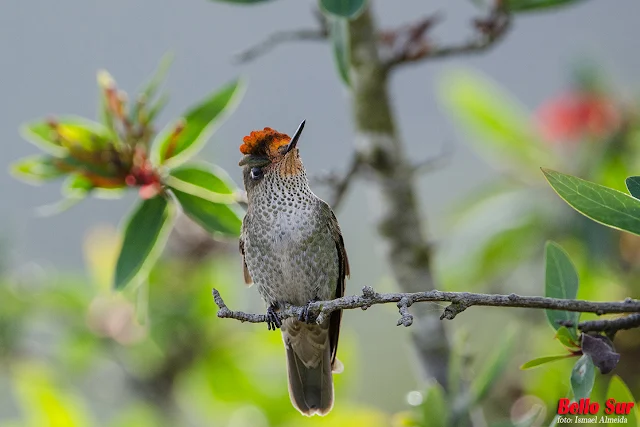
[296, 137]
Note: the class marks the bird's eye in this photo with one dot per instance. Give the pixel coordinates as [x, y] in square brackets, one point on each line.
[256, 173]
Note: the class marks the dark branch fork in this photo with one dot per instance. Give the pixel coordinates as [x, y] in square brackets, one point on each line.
[417, 47]
[404, 45]
[460, 301]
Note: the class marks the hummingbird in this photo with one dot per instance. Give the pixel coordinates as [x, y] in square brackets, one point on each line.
[292, 249]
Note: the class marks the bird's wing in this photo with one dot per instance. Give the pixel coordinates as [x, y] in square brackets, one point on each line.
[247, 276]
[343, 273]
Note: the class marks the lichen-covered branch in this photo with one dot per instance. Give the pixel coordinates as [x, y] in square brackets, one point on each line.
[608, 326]
[460, 301]
[399, 219]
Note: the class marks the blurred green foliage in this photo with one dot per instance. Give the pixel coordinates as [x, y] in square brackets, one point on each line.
[75, 353]
[588, 131]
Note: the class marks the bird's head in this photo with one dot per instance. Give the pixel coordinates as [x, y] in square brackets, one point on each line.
[269, 154]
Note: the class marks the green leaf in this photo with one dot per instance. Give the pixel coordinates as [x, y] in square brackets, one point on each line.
[602, 204]
[537, 5]
[487, 378]
[619, 391]
[58, 207]
[214, 217]
[583, 376]
[534, 363]
[633, 185]
[77, 186]
[57, 136]
[339, 32]
[150, 90]
[343, 8]
[145, 235]
[457, 359]
[568, 337]
[36, 169]
[434, 407]
[42, 402]
[561, 281]
[74, 190]
[500, 127]
[173, 147]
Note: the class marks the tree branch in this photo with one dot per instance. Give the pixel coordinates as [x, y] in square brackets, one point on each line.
[608, 326]
[460, 301]
[433, 163]
[394, 200]
[416, 47]
[339, 184]
[279, 37]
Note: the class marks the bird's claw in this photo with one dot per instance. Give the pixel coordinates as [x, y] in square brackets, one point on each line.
[305, 315]
[273, 318]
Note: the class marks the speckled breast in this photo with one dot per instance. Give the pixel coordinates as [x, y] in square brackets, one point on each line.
[289, 250]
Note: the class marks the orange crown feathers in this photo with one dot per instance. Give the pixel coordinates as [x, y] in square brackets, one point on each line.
[264, 142]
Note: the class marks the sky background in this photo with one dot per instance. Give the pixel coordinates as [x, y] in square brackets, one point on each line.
[50, 52]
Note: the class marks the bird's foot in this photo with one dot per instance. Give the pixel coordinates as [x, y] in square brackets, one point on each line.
[273, 318]
[305, 316]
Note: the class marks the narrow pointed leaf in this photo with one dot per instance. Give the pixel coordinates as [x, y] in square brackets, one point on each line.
[434, 407]
[75, 189]
[583, 376]
[491, 372]
[619, 391]
[534, 363]
[633, 185]
[499, 126]
[37, 169]
[602, 204]
[77, 186]
[60, 206]
[144, 236]
[567, 338]
[561, 281]
[338, 30]
[343, 8]
[221, 218]
[537, 5]
[59, 135]
[151, 88]
[179, 142]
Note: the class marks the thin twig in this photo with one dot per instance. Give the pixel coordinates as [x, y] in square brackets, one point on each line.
[460, 301]
[277, 38]
[607, 325]
[433, 163]
[306, 34]
[339, 183]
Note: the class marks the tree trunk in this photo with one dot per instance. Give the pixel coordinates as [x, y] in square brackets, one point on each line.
[400, 222]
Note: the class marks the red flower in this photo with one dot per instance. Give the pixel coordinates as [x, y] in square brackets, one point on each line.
[574, 115]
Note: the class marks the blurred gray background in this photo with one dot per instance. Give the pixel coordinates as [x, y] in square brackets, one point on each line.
[50, 52]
